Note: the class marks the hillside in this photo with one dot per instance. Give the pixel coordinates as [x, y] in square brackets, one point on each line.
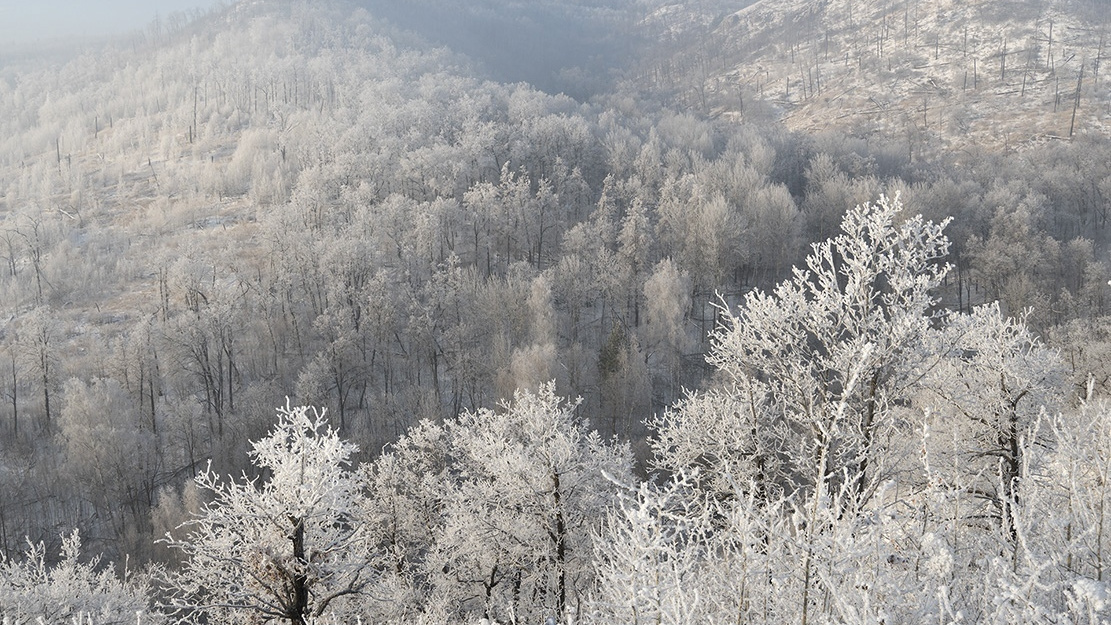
[338, 203]
[928, 74]
[276, 199]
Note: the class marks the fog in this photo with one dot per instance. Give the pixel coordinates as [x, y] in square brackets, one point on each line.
[49, 21]
[567, 46]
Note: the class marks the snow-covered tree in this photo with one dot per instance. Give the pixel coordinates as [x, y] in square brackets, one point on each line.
[665, 335]
[32, 591]
[812, 371]
[992, 382]
[289, 545]
[532, 481]
[405, 511]
[649, 552]
[109, 450]
[490, 514]
[864, 459]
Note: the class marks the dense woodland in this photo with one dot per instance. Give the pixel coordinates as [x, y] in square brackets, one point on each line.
[601, 357]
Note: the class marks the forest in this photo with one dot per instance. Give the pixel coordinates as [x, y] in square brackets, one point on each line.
[329, 312]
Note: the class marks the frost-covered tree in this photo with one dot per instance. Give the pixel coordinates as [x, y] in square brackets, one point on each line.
[811, 372]
[34, 591]
[533, 481]
[490, 514]
[109, 451]
[864, 459]
[1064, 521]
[992, 382]
[666, 337]
[534, 364]
[289, 545]
[672, 552]
[39, 337]
[406, 510]
[649, 551]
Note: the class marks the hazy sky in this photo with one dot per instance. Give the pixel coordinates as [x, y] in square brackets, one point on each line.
[25, 21]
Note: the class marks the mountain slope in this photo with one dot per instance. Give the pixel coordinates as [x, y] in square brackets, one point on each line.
[922, 72]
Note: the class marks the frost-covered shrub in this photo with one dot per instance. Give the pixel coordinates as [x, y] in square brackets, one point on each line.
[33, 591]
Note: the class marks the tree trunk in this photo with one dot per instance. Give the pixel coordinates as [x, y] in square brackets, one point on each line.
[45, 366]
[15, 397]
[299, 607]
[868, 433]
[559, 537]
